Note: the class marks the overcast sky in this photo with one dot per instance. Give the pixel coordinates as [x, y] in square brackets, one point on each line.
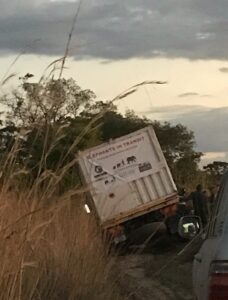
[114, 29]
[117, 43]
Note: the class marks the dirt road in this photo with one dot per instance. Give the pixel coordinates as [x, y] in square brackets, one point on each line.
[157, 272]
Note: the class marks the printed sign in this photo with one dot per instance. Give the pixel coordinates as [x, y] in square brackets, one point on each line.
[122, 161]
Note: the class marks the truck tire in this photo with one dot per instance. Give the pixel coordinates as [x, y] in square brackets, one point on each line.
[172, 225]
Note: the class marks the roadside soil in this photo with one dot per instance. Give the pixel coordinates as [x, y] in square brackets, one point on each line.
[160, 270]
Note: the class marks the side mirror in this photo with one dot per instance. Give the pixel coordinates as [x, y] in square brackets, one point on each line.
[189, 227]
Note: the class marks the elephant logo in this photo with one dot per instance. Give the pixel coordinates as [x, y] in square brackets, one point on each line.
[131, 159]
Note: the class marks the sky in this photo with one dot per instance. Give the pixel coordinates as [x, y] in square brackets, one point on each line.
[118, 43]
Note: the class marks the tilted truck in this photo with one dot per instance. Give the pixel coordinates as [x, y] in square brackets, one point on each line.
[129, 183]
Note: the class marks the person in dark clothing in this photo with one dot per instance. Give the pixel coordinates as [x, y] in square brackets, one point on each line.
[200, 204]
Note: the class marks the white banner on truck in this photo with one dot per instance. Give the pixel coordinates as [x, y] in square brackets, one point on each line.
[125, 160]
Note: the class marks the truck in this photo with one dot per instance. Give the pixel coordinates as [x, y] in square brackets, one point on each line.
[129, 183]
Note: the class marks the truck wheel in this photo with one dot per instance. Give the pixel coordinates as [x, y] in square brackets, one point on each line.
[171, 226]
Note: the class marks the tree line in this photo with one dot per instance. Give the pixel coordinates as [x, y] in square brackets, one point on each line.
[44, 124]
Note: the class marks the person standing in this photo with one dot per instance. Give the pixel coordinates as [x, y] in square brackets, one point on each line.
[200, 204]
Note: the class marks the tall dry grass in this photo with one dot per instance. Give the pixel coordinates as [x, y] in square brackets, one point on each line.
[52, 252]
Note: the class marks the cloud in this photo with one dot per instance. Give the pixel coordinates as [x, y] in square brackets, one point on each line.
[174, 110]
[206, 96]
[209, 157]
[190, 94]
[223, 70]
[209, 124]
[194, 94]
[210, 127]
[110, 29]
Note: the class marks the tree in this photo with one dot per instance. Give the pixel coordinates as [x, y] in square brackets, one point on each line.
[45, 120]
[216, 170]
[46, 101]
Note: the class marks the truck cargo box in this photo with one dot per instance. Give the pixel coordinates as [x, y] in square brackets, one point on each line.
[127, 177]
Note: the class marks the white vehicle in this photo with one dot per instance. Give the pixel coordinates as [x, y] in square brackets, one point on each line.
[210, 269]
[129, 182]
